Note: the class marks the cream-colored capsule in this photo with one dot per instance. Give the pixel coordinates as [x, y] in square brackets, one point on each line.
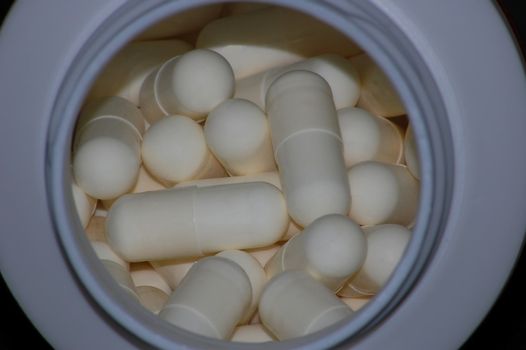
[191, 84]
[95, 230]
[368, 137]
[411, 153]
[339, 73]
[255, 274]
[145, 182]
[307, 146]
[383, 193]
[238, 134]
[195, 221]
[106, 151]
[173, 270]
[152, 289]
[377, 93]
[211, 299]
[294, 304]
[251, 333]
[355, 303]
[174, 150]
[271, 177]
[264, 254]
[118, 268]
[331, 250]
[255, 41]
[84, 204]
[181, 23]
[386, 245]
[125, 73]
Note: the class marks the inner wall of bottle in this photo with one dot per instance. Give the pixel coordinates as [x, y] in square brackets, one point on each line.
[422, 104]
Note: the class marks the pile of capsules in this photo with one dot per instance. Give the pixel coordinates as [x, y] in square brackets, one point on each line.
[231, 185]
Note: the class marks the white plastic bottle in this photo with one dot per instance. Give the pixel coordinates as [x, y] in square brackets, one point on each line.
[259, 40]
[195, 221]
[106, 150]
[331, 250]
[307, 146]
[238, 134]
[211, 299]
[339, 73]
[294, 304]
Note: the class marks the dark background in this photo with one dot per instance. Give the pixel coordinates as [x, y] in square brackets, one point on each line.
[503, 328]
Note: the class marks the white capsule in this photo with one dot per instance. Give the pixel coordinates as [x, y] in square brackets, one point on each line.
[331, 250]
[411, 153]
[355, 303]
[386, 245]
[251, 333]
[152, 289]
[145, 182]
[95, 231]
[211, 299]
[339, 73]
[271, 177]
[118, 268]
[106, 151]
[125, 73]
[307, 146]
[377, 94]
[84, 204]
[294, 304]
[259, 40]
[174, 150]
[238, 134]
[255, 274]
[368, 137]
[173, 270]
[181, 23]
[191, 84]
[194, 221]
[383, 193]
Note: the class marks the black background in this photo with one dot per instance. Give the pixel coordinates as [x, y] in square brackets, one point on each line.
[503, 328]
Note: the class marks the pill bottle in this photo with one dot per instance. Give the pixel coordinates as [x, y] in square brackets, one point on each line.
[453, 86]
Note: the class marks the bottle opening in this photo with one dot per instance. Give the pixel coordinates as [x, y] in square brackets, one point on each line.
[235, 174]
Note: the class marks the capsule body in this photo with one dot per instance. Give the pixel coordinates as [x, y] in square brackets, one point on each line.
[255, 274]
[386, 244]
[238, 134]
[383, 193]
[193, 221]
[258, 40]
[152, 289]
[191, 84]
[294, 304]
[84, 204]
[368, 137]
[307, 146]
[106, 151]
[125, 73]
[117, 268]
[339, 73]
[377, 95]
[211, 299]
[174, 150]
[411, 153]
[331, 250]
